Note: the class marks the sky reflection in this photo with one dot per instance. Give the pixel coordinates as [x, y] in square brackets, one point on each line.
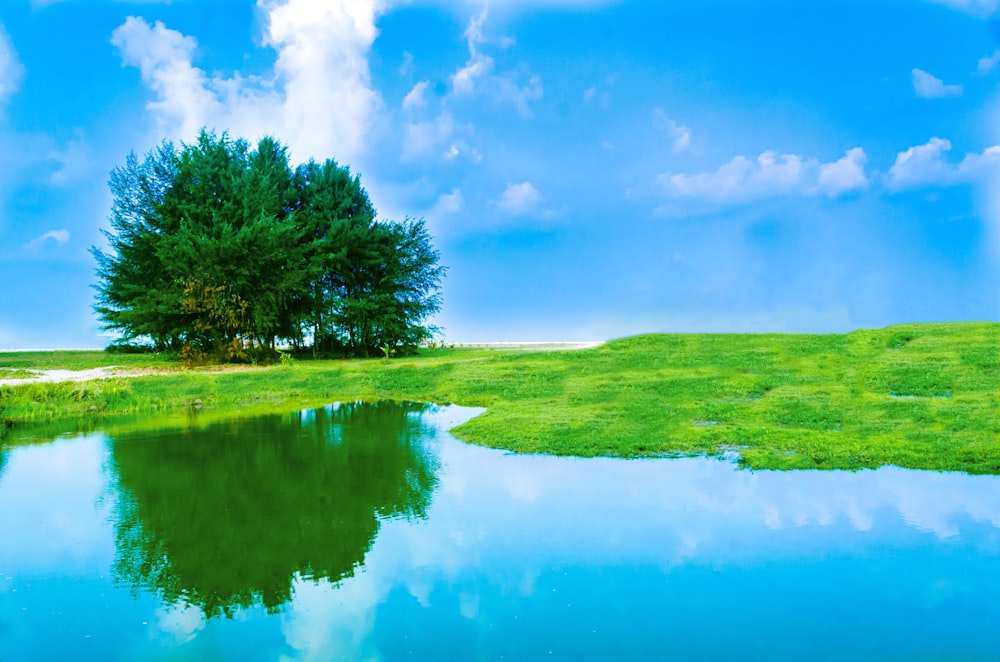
[530, 557]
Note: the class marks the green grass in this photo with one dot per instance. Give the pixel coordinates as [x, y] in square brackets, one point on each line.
[82, 360]
[16, 373]
[920, 396]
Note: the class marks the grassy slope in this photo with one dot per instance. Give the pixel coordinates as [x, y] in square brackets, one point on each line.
[921, 396]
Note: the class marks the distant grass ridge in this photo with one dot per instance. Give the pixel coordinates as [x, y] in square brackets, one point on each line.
[924, 396]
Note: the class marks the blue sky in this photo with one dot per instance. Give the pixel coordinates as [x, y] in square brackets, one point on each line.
[588, 168]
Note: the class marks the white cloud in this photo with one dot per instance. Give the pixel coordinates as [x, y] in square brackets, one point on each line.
[163, 57]
[406, 66]
[927, 86]
[919, 165]
[771, 174]
[440, 138]
[11, 69]
[448, 204]
[58, 237]
[845, 174]
[476, 76]
[974, 7]
[74, 161]
[924, 165]
[423, 139]
[519, 199]
[415, 97]
[509, 92]
[322, 58]
[988, 63]
[680, 135]
[464, 81]
[318, 99]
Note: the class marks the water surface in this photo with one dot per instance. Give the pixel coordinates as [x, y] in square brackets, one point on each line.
[366, 532]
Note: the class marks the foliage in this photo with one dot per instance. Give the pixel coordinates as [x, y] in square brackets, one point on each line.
[134, 296]
[780, 401]
[220, 250]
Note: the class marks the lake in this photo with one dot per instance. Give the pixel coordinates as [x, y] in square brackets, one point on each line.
[366, 532]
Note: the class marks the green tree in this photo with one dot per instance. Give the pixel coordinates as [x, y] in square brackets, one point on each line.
[134, 293]
[235, 236]
[390, 289]
[220, 248]
[336, 216]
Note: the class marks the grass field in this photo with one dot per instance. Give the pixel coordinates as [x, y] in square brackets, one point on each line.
[919, 396]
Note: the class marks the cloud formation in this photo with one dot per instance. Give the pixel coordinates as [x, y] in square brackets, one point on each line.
[769, 175]
[74, 161]
[987, 63]
[478, 66]
[441, 137]
[680, 135]
[415, 97]
[927, 86]
[59, 237]
[845, 174]
[974, 7]
[925, 165]
[438, 138]
[476, 76]
[448, 203]
[519, 199]
[164, 58]
[11, 69]
[318, 98]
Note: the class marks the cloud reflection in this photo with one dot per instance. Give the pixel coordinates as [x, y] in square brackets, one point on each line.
[502, 526]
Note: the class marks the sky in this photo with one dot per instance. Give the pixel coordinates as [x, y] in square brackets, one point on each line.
[588, 169]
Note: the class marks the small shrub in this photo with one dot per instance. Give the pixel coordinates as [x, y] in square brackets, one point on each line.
[899, 340]
[124, 347]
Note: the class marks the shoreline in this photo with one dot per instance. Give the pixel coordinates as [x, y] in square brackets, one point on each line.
[915, 396]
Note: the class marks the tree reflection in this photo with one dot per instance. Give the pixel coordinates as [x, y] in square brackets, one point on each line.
[4, 433]
[226, 516]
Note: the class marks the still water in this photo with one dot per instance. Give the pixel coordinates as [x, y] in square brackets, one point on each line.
[366, 532]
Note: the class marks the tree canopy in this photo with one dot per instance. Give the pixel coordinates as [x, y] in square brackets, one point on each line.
[219, 248]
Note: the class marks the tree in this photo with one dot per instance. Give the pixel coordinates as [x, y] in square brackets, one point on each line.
[134, 296]
[235, 237]
[221, 249]
[395, 284]
[336, 216]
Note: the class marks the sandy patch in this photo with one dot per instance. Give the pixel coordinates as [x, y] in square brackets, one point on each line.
[67, 375]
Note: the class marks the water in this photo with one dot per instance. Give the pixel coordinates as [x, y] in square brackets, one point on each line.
[366, 532]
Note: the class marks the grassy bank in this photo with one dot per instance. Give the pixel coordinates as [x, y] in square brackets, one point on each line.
[920, 396]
